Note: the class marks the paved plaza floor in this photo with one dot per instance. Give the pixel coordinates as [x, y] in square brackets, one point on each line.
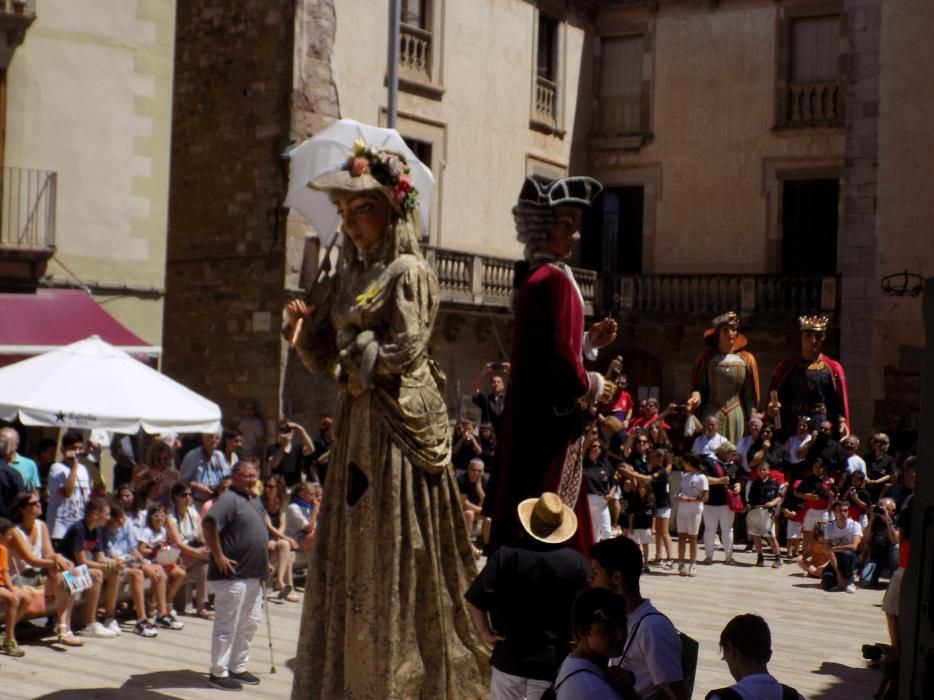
[816, 641]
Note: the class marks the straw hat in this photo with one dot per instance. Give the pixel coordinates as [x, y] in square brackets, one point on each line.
[547, 519]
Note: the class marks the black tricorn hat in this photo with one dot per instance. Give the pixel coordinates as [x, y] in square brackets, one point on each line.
[578, 190]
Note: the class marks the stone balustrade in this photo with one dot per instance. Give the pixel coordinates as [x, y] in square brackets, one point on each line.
[814, 104]
[415, 51]
[545, 100]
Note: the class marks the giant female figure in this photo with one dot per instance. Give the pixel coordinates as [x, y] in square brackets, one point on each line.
[725, 380]
[384, 616]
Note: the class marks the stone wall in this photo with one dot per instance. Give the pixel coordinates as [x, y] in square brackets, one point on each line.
[226, 248]
[858, 239]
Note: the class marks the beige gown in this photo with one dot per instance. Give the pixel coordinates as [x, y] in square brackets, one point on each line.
[384, 615]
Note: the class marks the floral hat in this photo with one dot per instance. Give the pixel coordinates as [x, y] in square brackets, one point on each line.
[369, 168]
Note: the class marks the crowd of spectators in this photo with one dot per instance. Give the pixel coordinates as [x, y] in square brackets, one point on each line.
[130, 552]
[806, 496]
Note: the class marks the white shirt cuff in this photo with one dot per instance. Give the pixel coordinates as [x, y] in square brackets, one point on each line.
[590, 352]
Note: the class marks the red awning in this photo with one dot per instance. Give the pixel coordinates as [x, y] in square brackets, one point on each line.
[31, 324]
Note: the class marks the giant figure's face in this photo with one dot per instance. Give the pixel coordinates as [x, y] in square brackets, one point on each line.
[812, 342]
[565, 233]
[365, 216]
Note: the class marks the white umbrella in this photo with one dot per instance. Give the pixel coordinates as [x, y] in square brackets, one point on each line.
[91, 384]
[328, 150]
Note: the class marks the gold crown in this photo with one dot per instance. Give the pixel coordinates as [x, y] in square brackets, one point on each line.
[813, 323]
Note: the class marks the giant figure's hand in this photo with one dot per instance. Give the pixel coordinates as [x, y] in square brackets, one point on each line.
[602, 333]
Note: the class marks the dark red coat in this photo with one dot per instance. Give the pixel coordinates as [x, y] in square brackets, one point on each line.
[542, 419]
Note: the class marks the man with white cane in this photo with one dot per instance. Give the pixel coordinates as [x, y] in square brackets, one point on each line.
[235, 532]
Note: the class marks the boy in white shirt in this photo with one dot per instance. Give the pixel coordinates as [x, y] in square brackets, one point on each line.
[843, 535]
[746, 643]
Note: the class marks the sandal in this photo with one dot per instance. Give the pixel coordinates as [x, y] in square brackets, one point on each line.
[205, 614]
[68, 638]
[292, 598]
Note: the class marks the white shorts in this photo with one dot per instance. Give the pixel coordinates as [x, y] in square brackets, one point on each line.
[689, 518]
[812, 517]
[642, 536]
[663, 512]
[793, 530]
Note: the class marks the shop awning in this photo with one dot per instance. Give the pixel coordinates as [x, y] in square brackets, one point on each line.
[31, 324]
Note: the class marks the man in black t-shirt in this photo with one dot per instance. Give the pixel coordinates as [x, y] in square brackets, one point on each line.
[292, 454]
[521, 601]
[829, 451]
[235, 532]
[880, 466]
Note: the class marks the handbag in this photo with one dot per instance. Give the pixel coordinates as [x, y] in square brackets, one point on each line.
[30, 582]
[734, 501]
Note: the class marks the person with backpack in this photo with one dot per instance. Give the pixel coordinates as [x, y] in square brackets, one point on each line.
[598, 621]
[652, 653]
[746, 643]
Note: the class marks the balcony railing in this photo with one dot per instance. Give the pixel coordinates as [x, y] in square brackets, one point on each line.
[27, 208]
[705, 295]
[415, 52]
[480, 280]
[545, 98]
[814, 104]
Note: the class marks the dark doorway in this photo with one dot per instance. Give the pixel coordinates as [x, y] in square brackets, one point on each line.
[809, 227]
[611, 241]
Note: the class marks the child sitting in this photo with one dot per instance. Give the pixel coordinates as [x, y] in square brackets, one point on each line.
[817, 556]
[152, 538]
[15, 600]
[120, 545]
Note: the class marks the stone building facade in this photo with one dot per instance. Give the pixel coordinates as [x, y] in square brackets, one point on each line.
[226, 253]
[753, 152]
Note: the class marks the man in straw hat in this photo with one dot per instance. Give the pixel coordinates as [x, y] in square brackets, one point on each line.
[810, 383]
[541, 435]
[521, 601]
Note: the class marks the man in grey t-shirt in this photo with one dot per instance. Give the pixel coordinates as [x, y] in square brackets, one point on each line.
[235, 532]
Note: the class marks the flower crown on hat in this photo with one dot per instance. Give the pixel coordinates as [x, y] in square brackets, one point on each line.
[388, 169]
[813, 323]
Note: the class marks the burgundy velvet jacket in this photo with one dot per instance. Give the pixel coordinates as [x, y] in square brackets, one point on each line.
[542, 418]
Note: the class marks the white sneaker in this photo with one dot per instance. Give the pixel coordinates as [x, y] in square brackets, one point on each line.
[851, 588]
[114, 627]
[96, 629]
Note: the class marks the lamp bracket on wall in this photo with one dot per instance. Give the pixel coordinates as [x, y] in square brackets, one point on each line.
[902, 284]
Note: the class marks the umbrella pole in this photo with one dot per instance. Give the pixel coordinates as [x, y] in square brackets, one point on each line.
[392, 77]
[319, 278]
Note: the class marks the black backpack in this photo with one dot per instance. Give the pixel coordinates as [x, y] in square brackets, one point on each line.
[788, 693]
[552, 692]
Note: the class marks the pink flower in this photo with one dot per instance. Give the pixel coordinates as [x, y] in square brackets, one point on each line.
[359, 166]
[400, 195]
[405, 182]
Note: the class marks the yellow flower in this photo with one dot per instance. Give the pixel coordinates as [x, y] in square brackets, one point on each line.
[369, 295]
[359, 146]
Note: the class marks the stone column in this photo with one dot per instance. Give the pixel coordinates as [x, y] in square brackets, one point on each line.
[858, 243]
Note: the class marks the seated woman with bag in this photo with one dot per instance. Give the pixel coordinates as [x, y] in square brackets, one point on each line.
[302, 514]
[14, 599]
[184, 529]
[281, 545]
[38, 568]
[152, 542]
